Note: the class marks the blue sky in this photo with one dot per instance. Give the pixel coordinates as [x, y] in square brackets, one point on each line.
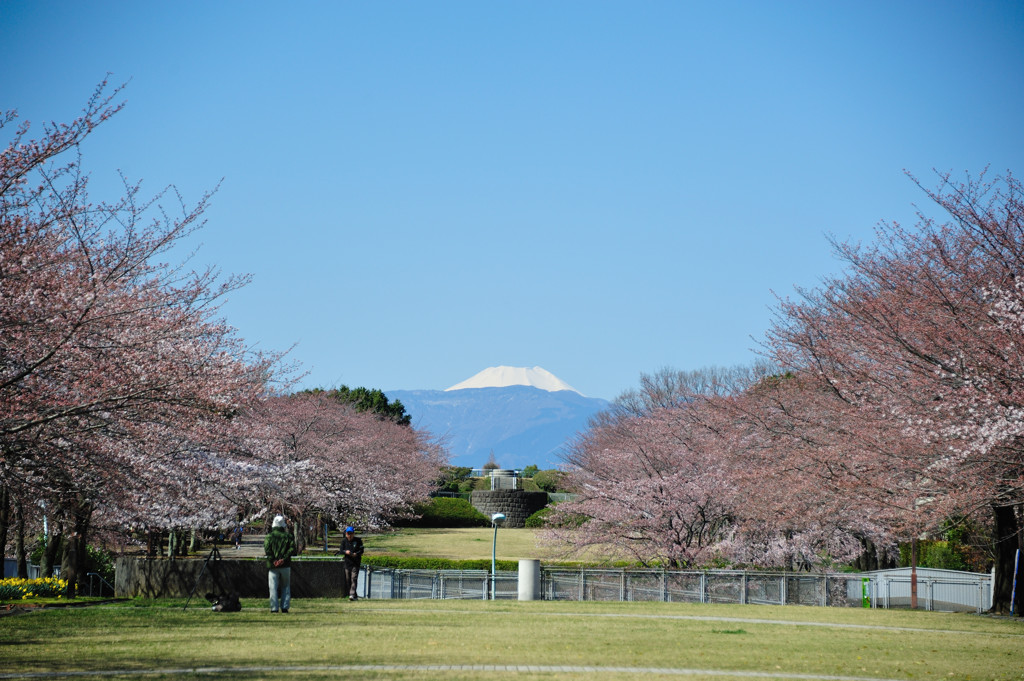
[425, 189]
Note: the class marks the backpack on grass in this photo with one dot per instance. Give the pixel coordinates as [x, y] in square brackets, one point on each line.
[224, 603]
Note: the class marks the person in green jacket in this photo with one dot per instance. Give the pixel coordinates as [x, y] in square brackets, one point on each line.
[279, 547]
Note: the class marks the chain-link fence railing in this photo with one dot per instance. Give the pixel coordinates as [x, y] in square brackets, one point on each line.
[718, 586]
[957, 591]
[440, 584]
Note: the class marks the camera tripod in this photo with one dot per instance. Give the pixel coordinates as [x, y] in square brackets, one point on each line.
[214, 555]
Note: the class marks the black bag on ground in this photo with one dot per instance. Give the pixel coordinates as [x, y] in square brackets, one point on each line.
[224, 603]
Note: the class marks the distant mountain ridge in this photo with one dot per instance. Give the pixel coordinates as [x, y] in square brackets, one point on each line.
[520, 424]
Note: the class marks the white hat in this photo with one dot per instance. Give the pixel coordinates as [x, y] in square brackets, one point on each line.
[279, 521]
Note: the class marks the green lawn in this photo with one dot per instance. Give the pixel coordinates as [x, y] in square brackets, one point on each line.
[411, 639]
[463, 543]
[467, 543]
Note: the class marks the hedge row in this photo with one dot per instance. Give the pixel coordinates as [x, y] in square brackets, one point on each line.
[412, 563]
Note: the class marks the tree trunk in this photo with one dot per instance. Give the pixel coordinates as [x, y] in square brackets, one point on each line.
[5, 517]
[872, 557]
[1008, 540]
[51, 550]
[867, 561]
[297, 532]
[180, 547]
[20, 550]
[69, 565]
[72, 565]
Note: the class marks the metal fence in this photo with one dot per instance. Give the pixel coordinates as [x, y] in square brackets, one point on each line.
[440, 584]
[718, 586]
[957, 591]
[947, 590]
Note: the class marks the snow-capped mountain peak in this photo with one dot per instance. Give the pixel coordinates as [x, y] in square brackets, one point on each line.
[502, 376]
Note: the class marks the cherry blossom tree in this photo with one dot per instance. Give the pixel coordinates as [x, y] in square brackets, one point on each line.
[114, 366]
[315, 454]
[901, 409]
[646, 485]
[698, 468]
[125, 401]
[828, 479]
[924, 332]
[655, 475]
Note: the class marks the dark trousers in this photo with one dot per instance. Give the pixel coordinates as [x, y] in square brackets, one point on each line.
[350, 576]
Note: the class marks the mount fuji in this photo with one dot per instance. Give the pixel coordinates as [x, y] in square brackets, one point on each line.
[522, 415]
[502, 377]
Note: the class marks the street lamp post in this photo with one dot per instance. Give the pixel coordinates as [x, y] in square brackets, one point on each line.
[496, 519]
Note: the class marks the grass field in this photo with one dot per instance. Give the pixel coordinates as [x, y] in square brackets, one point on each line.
[497, 641]
[502, 640]
[464, 543]
[475, 542]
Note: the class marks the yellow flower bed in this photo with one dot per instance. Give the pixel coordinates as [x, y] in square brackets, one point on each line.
[16, 589]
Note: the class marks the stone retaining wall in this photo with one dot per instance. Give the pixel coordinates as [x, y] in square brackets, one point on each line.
[517, 505]
[162, 578]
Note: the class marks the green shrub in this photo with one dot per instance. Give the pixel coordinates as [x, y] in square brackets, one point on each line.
[539, 519]
[945, 557]
[529, 471]
[412, 563]
[448, 512]
[100, 561]
[564, 519]
[452, 478]
[941, 555]
[969, 540]
[97, 559]
[550, 480]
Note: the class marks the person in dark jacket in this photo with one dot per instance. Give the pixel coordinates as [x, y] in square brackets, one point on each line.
[352, 549]
[279, 547]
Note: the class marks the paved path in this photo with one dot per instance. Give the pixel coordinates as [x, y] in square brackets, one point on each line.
[252, 547]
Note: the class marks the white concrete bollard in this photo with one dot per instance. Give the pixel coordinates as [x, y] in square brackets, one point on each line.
[529, 580]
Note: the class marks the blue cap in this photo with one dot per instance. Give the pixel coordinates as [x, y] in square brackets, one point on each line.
[350, 529]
